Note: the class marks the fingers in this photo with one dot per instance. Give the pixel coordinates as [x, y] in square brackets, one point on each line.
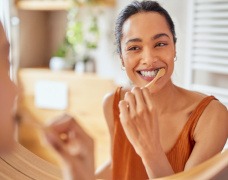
[136, 102]
[140, 102]
[132, 100]
[61, 127]
[61, 123]
[73, 144]
[66, 126]
[56, 143]
[124, 109]
[133, 104]
[138, 98]
[66, 129]
[147, 98]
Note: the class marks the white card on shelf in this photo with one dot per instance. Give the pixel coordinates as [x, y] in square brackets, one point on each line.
[51, 95]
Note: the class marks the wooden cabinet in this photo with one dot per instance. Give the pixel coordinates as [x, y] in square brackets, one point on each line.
[42, 28]
[55, 4]
[40, 34]
[43, 5]
[85, 96]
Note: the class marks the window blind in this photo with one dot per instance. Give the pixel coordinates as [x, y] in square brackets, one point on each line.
[208, 67]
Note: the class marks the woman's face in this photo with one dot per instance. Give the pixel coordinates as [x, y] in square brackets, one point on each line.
[147, 45]
[7, 97]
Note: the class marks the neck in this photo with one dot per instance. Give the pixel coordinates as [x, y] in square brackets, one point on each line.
[166, 99]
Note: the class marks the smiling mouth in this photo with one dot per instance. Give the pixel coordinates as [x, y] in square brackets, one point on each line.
[148, 73]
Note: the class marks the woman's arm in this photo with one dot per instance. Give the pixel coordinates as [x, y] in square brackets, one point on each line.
[210, 134]
[140, 123]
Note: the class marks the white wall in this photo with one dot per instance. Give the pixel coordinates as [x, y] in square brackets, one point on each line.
[179, 13]
[4, 16]
[108, 62]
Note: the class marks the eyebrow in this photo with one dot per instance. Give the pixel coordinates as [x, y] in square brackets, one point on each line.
[134, 40]
[157, 36]
[160, 35]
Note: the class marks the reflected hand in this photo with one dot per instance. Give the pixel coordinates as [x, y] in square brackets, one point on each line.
[74, 145]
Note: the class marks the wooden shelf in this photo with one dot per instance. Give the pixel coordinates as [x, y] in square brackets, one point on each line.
[45, 5]
[55, 5]
[85, 105]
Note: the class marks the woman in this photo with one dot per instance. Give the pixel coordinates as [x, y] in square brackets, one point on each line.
[7, 97]
[164, 129]
[76, 150]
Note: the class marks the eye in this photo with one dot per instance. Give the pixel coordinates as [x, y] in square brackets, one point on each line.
[160, 44]
[133, 48]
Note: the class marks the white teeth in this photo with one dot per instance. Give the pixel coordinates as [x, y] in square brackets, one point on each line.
[149, 73]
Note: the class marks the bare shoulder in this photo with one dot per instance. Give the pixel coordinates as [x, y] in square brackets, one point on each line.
[108, 110]
[210, 134]
[108, 101]
[217, 107]
[108, 107]
[109, 97]
[216, 113]
[213, 124]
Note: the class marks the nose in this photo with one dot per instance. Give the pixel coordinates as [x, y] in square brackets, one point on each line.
[148, 56]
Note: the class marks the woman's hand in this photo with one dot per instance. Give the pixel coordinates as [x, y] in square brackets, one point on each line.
[139, 120]
[74, 145]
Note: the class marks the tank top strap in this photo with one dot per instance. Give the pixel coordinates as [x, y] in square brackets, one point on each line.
[116, 100]
[197, 112]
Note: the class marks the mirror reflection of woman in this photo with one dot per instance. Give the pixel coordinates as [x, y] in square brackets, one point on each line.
[162, 130]
[74, 163]
[155, 132]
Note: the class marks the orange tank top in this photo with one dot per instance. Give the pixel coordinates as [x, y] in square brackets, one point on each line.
[127, 165]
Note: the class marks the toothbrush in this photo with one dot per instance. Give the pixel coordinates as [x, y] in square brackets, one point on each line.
[160, 73]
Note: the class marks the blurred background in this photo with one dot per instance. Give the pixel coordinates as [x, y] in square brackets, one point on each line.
[81, 32]
[72, 42]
